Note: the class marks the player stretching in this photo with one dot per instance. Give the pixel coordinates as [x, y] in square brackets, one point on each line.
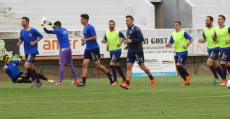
[180, 38]
[92, 51]
[135, 52]
[113, 37]
[30, 36]
[65, 54]
[222, 36]
[213, 49]
[12, 70]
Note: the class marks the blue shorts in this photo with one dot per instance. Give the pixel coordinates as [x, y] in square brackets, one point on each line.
[30, 57]
[214, 54]
[92, 54]
[181, 59]
[225, 55]
[135, 56]
[115, 57]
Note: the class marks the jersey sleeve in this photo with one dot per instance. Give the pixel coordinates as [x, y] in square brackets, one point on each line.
[171, 41]
[121, 34]
[92, 31]
[55, 31]
[105, 37]
[20, 37]
[139, 35]
[204, 35]
[37, 33]
[187, 36]
[16, 62]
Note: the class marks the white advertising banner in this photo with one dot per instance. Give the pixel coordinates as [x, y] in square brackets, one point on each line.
[158, 64]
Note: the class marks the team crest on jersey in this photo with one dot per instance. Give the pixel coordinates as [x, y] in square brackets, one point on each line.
[181, 59]
[30, 35]
[85, 32]
[131, 32]
[14, 64]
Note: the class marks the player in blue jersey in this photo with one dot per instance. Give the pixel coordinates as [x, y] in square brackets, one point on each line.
[92, 51]
[135, 52]
[65, 55]
[30, 37]
[12, 70]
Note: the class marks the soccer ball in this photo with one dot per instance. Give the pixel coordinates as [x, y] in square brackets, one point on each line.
[228, 84]
[43, 19]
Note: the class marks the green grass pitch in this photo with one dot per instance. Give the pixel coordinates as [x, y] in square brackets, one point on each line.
[99, 100]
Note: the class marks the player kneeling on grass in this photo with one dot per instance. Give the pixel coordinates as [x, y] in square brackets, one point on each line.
[65, 55]
[14, 73]
[182, 40]
[113, 38]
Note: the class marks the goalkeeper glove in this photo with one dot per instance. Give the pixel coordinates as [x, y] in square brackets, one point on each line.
[49, 23]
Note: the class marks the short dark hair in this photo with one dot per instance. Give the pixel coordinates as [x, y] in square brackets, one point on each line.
[27, 19]
[57, 23]
[211, 18]
[177, 22]
[222, 17]
[4, 56]
[129, 16]
[111, 21]
[85, 16]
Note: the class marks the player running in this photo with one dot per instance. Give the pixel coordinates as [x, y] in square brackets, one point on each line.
[14, 73]
[222, 36]
[30, 36]
[92, 51]
[135, 52]
[113, 38]
[65, 55]
[213, 49]
[182, 41]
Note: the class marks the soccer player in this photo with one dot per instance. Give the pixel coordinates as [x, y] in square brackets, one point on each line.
[135, 52]
[222, 35]
[30, 36]
[213, 49]
[92, 51]
[113, 38]
[14, 73]
[182, 41]
[65, 55]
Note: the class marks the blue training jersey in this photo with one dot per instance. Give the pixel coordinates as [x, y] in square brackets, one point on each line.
[12, 70]
[30, 36]
[88, 32]
[63, 37]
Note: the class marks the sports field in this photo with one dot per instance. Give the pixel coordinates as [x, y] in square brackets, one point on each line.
[168, 100]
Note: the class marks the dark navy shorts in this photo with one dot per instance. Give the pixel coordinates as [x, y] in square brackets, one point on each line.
[135, 56]
[214, 54]
[115, 57]
[30, 57]
[225, 55]
[92, 54]
[181, 59]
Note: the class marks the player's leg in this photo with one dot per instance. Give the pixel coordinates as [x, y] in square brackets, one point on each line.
[40, 76]
[29, 65]
[180, 60]
[120, 71]
[39, 83]
[218, 68]
[84, 73]
[69, 60]
[224, 59]
[213, 56]
[114, 71]
[140, 59]
[114, 64]
[103, 69]
[130, 60]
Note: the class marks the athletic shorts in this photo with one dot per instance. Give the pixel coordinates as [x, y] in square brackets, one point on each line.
[225, 55]
[115, 57]
[92, 54]
[214, 54]
[181, 59]
[65, 56]
[30, 57]
[135, 56]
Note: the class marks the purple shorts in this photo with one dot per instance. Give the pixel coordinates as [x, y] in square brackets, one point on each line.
[65, 57]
